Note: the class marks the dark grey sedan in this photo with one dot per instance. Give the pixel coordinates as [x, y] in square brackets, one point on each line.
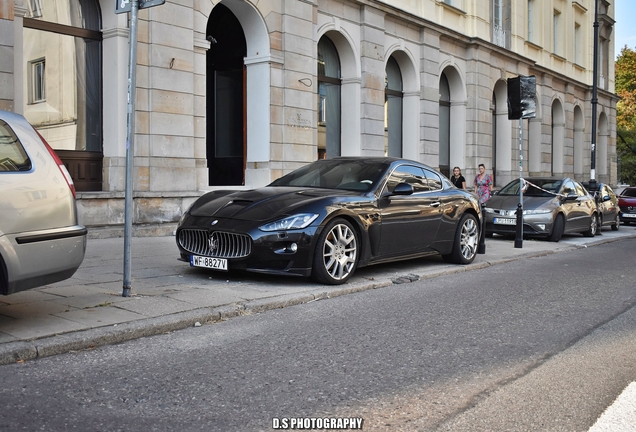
[551, 207]
[609, 213]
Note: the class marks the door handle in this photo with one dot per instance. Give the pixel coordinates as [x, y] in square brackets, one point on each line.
[435, 204]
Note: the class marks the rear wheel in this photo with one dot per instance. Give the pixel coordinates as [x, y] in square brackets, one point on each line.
[557, 229]
[591, 232]
[465, 242]
[616, 223]
[336, 254]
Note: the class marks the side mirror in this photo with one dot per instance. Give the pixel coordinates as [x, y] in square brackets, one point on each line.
[403, 189]
[606, 198]
[571, 197]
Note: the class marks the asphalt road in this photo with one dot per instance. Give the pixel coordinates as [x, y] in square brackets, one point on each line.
[545, 343]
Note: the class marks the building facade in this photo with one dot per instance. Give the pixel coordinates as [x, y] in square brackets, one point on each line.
[235, 93]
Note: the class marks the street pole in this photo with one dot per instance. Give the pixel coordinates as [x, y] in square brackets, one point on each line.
[132, 62]
[519, 230]
[593, 185]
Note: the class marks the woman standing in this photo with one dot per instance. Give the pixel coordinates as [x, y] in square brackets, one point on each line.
[458, 179]
[483, 184]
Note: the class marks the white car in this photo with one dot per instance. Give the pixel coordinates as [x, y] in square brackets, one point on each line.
[41, 241]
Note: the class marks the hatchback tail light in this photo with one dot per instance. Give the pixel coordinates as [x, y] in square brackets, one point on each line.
[60, 165]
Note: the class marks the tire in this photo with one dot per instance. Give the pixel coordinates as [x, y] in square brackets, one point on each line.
[337, 253]
[465, 242]
[591, 232]
[617, 222]
[557, 229]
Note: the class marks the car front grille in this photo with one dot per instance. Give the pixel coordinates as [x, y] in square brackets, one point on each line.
[216, 244]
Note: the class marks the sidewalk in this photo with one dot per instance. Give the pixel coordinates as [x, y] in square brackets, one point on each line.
[88, 310]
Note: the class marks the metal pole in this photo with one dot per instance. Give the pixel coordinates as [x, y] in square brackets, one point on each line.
[594, 99]
[519, 230]
[132, 62]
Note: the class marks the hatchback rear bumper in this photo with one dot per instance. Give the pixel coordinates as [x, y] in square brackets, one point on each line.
[43, 257]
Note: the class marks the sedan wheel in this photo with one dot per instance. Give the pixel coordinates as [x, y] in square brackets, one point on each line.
[465, 242]
[336, 255]
[593, 227]
[617, 222]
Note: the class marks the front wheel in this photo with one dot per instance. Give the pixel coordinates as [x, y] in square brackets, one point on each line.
[616, 223]
[336, 254]
[557, 229]
[465, 242]
[591, 232]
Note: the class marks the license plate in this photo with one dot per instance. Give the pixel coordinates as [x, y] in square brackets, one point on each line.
[629, 215]
[505, 221]
[207, 262]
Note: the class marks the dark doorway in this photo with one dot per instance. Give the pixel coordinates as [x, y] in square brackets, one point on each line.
[226, 113]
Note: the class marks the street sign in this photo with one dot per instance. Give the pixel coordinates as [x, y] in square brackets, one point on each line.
[123, 6]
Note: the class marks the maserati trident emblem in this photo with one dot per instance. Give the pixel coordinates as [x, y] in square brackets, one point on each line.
[213, 244]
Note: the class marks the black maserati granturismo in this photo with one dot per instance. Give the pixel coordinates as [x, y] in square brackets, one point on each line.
[331, 216]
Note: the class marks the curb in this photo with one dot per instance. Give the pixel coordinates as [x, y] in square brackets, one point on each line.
[20, 351]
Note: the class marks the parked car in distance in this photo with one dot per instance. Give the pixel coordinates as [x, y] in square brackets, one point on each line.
[609, 213]
[627, 204]
[331, 216]
[551, 207]
[41, 241]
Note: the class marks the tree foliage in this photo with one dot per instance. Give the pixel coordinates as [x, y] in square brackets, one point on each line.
[625, 80]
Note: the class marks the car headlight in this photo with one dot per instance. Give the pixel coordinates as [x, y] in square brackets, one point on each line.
[298, 221]
[536, 211]
[490, 210]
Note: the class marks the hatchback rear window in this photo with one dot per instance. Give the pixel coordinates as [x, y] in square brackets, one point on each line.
[12, 154]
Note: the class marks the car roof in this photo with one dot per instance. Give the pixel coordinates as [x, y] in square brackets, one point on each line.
[386, 159]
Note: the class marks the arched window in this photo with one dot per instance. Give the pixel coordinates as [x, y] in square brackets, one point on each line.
[393, 109]
[444, 125]
[328, 99]
[63, 83]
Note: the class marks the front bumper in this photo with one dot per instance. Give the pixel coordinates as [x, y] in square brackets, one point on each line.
[260, 252]
[533, 225]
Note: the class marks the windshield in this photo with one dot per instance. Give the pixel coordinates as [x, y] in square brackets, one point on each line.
[535, 187]
[354, 175]
[629, 193]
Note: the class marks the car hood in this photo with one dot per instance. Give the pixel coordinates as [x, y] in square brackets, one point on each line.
[509, 202]
[627, 201]
[262, 204]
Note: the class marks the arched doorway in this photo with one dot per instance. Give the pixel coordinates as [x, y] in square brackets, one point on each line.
[329, 119]
[393, 109]
[226, 107]
[534, 141]
[444, 125]
[602, 147]
[502, 136]
[558, 137]
[579, 141]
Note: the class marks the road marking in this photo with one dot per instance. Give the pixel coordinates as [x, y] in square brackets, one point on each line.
[621, 415]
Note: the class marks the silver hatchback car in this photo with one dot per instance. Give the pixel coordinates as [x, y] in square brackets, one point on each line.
[551, 207]
[41, 241]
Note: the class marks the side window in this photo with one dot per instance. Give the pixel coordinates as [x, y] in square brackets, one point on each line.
[580, 190]
[12, 155]
[408, 174]
[434, 180]
[568, 188]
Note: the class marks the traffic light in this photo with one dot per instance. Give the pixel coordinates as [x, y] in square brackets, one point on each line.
[521, 97]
